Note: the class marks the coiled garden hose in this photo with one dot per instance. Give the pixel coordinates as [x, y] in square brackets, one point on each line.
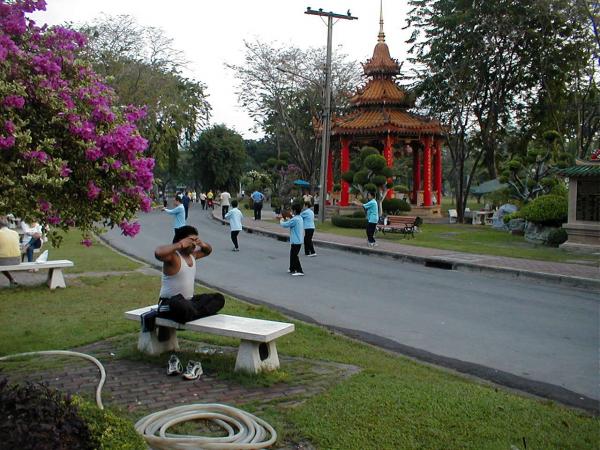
[245, 431]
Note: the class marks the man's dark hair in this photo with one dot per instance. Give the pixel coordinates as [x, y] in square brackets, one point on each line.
[234, 203]
[183, 232]
[372, 193]
[178, 198]
[297, 208]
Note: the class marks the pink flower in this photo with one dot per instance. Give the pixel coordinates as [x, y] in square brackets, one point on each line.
[129, 229]
[93, 190]
[7, 142]
[87, 242]
[93, 154]
[37, 154]
[145, 204]
[65, 171]
[53, 220]
[9, 126]
[13, 101]
[44, 205]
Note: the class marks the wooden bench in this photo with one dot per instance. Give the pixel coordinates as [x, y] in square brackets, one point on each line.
[55, 276]
[257, 351]
[399, 224]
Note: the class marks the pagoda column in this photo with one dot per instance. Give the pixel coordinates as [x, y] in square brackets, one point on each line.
[389, 159]
[416, 174]
[345, 166]
[329, 183]
[427, 171]
[437, 185]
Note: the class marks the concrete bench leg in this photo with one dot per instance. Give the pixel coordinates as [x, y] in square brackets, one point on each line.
[148, 342]
[255, 357]
[56, 279]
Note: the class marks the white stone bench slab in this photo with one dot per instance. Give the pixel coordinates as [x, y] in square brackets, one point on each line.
[55, 276]
[257, 351]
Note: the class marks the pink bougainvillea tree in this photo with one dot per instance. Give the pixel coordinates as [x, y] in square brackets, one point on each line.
[68, 156]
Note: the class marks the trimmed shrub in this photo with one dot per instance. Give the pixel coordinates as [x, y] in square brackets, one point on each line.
[349, 221]
[357, 214]
[402, 188]
[556, 237]
[35, 416]
[109, 431]
[394, 206]
[549, 210]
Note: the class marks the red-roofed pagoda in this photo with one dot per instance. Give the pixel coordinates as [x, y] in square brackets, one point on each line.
[380, 118]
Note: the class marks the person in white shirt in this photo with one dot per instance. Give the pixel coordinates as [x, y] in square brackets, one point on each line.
[225, 197]
[32, 238]
[235, 218]
[203, 200]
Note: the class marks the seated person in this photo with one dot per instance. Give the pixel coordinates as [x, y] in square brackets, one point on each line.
[177, 299]
[32, 238]
[10, 252]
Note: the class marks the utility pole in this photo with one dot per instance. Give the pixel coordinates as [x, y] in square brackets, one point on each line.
[326, 123]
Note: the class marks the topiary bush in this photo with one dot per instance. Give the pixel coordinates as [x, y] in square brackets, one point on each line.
[394, 206]
[401, 188]
[349, 221]
[35, 416]
[556, 237]
[109, 431]
[549, 210]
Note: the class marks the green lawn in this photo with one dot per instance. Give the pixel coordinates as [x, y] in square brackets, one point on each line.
[470, 239]
[394, 403]
[88, 259]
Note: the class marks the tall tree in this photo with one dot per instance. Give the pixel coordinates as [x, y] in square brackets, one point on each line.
[517, 53]
[282, 88]
[144, 68]
[218, 158]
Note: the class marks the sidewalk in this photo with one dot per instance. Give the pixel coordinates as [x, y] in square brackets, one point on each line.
[574, 275]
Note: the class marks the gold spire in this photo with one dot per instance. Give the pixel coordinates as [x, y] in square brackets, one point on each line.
[381, 35]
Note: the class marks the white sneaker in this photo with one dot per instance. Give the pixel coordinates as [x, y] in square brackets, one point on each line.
[298, 274]
[312, 255]
[193, 370]
[174, 367]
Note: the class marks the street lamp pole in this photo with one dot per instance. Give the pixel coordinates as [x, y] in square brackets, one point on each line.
[327, 108]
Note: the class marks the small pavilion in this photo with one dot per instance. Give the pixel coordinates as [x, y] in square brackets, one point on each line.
[379, 117]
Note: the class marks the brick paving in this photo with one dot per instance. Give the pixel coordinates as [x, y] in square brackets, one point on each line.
[141, 386]
[576, 274]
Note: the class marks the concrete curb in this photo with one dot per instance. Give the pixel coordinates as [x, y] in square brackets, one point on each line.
[444, 262]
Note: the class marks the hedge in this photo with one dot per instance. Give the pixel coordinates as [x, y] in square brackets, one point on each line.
[349, 221]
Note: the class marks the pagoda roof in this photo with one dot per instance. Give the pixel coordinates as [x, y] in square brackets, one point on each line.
[382, 91]
[581, 169]
[365, 121]
[381, 62]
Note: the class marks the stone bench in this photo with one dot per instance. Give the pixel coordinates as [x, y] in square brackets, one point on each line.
[257, 351]
[55, 276]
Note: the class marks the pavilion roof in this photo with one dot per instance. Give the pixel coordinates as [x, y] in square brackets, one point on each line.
[382, 91]
[365, 121]
[381, 62]
[581, 169]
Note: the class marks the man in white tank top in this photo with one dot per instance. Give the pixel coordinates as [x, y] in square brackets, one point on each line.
[179, 262]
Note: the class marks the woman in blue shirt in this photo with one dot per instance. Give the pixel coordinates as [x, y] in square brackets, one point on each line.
[295, 224]
[308, 219]
[372, 211]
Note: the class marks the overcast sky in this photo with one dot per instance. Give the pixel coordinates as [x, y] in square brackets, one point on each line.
[211, 33]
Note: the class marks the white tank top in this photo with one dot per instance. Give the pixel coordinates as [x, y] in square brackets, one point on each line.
[180, 283]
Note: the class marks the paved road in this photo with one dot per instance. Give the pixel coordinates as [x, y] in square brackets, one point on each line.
[543, 339]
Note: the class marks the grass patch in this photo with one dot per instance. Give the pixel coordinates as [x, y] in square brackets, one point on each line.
[470, 239]
[393, 403]
[97, 258]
